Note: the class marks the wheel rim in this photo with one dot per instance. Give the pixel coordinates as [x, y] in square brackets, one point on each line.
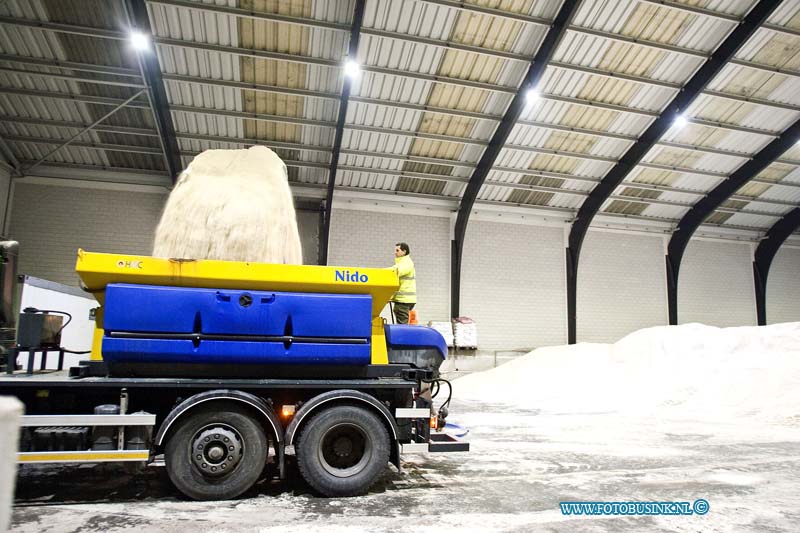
[216, 449]
[345, 450]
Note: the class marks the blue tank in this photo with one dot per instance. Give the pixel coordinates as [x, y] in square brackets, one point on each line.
[158, 330]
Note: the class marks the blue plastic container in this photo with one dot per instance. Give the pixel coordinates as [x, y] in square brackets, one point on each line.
[415, 337]
[154, 309]
[178, 325]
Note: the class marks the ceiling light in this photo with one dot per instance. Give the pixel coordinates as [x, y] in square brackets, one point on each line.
[140, 41]
[351, 69]
[531, 96]
[680, 121]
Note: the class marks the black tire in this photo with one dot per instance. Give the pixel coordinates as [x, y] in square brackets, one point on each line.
[343, 450]
[193, 459]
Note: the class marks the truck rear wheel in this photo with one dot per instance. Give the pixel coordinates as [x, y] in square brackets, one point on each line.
[216, 453]
[343, 450]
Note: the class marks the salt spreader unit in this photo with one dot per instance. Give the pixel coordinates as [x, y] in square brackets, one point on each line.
[227, 367]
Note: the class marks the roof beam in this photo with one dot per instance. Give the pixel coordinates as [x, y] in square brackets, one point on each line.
[671, 222]
[480, 116]
[80, 98]
[717, 15]
[722, 192]
[322, 124]
[128, 148]
[311, 122]
[423, 108]
[475, 8]
[71, 65]
[352, 55]
[456, 46]
[62, 143]
[251, 142]
[89, 31]
[101, 173]
[704, 75]
[694, 10]
[71, 77]
[151, 72]
[125, 130]
[324, 95]
[111, 34]
[531, 81]
[71, 29]
[532, 173]
[254, 15]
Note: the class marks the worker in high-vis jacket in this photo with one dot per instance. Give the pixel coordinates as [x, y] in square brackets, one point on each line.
[405, 298]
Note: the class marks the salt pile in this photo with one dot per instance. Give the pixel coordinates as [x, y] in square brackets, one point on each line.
[688, 371]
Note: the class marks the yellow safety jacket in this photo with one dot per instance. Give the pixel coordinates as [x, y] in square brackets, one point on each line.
[407, 292]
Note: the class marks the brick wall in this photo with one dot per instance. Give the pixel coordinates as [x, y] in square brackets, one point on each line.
[621, 285]
[715, 285]
[52, 222]
[513, 284]
[367, 238]
[513, 281]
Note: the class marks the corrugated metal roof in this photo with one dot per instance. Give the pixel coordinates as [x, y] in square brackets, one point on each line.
[593, 88]
[742, 114]
[392, 143]
[771, 86]
[64, 47]
[565, 141]
[624, 58]
[586, 117]
[654, 23]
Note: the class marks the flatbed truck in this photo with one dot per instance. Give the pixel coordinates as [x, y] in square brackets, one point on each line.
[225, 369]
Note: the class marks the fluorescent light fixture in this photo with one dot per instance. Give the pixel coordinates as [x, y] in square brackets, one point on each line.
[680, 121]
[140, 41]
[351, 68]
[531, 96]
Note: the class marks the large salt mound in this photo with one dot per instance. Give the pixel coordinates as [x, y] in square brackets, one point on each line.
[688, 371]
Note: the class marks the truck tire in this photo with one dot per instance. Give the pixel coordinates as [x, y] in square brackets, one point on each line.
[216, 453]
[343, 450]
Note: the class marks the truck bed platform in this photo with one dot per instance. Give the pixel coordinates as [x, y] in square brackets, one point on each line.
[62, 379]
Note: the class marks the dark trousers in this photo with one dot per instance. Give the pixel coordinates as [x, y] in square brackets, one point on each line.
[401, 311]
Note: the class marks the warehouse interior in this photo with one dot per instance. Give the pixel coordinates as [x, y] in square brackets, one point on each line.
[563, 171]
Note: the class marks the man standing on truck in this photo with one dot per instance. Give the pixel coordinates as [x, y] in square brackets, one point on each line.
[405, 298]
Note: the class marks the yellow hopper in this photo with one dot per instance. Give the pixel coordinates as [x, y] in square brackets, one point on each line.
[97, 270]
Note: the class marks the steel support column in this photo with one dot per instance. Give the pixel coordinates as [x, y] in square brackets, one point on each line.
[764, 255]
[352, 53]
[151, 72]
[706, 205]
[539, 63]
[724, 53]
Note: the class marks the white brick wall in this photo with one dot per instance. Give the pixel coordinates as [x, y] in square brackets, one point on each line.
[52, 222]
[308, 226]
[620, 285]
[513, 284]
[715, 284]
[783, 287]
[513, 274]
[367, 238]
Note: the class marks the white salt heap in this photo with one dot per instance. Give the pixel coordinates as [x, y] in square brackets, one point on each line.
[689, 371]
[232, 205]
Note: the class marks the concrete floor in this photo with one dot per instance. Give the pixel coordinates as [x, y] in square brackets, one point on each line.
[522, 464]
